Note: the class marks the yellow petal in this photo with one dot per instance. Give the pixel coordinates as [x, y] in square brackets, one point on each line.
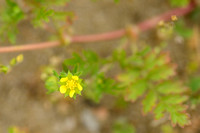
[71, 93]
[75, 77]
[174, 18]
[63, 89]
[63, 79]
[80, 87]
[20, 58]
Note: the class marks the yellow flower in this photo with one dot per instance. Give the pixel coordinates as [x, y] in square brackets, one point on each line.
[161, 23]
[70, 85]
[63, 89]
[174, 18]
[80, 87]
[20, 58]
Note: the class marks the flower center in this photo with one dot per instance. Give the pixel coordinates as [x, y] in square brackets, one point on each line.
[71, 84]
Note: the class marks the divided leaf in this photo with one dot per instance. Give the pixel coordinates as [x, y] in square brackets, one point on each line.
[136, 90]
[150, 73]
[51, 84]
[149, 101]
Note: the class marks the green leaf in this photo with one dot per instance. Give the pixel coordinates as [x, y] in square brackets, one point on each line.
[169, 87]
[116, 1]
[174, 99]
[120, 57]
[167, 128]
[159, 110]
[179, 3]
[180, 119]
[182, 30]
[149, 101]
[161, 73]
[90, 56]
[55, 74]
[63, 74]
[51, 84]
[11, 15]
[13, 62]
[123, 127]
[42, 15]
[194, 83]
[4, 69]
[75, 60]
[130, 76]
[136, 90]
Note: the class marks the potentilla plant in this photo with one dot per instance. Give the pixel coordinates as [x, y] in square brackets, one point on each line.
[139, 72]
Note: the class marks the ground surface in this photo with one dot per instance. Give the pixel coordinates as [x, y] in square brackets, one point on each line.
[23, 101]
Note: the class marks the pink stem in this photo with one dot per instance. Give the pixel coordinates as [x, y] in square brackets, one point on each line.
[143, 26]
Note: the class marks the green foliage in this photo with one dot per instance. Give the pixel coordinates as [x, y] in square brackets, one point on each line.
[41, 12]
[51, 79]
[146, 73]
[123, 127]
[91, 65]
[11, 15]
[194, 83]
[4, 69]
[179, 3]
[116, 1]
[51, 84]
[195, 15]
[167, 129]
[149, 73]
[182, 30]
[100, 84]
[44, 11]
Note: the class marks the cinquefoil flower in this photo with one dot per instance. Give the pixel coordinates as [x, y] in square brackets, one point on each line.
[70, 85]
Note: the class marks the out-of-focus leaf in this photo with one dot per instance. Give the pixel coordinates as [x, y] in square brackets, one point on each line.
[167, 129]
[51, 84]
[116, 1]
[11, 15]
[42, 15]
[161, 73]
[194, 83]
[159, 110]
[4, 69]
[172, 87]
[182, 30]
[120, 56]
[179, 3]
[179, 118]
[123, 127]
[149, 101]
[136, 90]
[174, 99]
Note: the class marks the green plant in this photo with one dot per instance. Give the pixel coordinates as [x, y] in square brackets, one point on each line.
[121, 126]
[129, 73]
[180, 3]
[145, 73]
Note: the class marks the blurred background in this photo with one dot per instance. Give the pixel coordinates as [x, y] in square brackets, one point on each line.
[23, 99]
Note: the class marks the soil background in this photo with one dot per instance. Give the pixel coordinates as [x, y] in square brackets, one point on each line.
[23, 99]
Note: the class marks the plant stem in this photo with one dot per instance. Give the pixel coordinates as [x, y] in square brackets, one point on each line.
[143, 26]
